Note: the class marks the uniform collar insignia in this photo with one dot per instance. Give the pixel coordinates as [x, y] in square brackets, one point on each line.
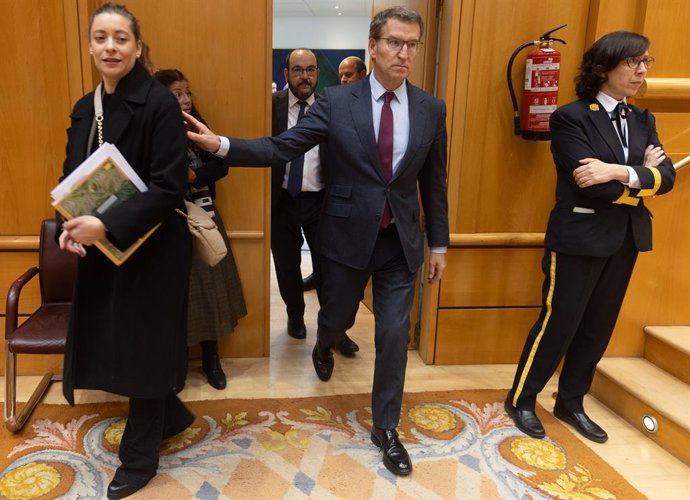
[594, 107]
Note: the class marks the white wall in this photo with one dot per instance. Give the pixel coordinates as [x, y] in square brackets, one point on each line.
[321, 32]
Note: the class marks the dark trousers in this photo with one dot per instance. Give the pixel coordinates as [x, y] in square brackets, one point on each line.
[149, 422]
[393, 287]
[290, 217]
[581, 299]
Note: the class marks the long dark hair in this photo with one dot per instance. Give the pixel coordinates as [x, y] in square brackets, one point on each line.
[603, 56]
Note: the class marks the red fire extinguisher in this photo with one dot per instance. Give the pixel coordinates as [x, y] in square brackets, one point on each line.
[540, 98]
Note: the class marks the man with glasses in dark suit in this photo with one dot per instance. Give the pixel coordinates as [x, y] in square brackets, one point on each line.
[386, 143]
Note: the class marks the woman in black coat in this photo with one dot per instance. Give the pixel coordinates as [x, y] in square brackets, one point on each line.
[127, 331]
[608, 159]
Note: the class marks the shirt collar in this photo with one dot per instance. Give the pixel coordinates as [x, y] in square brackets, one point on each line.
[292, 100]
[377, 90]
[608, 102]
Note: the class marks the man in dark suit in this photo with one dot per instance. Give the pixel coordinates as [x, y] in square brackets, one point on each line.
[386, 143]
[297, 194]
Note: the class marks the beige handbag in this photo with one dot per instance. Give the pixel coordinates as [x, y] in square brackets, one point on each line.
[208, 242]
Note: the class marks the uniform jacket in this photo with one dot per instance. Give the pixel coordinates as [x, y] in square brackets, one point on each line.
[127, 332]
[355, 188]
[593, 221]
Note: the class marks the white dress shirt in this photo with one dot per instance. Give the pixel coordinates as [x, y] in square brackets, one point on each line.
[609, 104]
[312, 178]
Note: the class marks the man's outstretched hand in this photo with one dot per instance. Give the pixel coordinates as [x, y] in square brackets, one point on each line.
[201, 134]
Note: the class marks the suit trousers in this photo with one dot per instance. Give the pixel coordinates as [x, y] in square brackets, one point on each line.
[290, 217]
[393, 286]
[149, 422]
[581, 299]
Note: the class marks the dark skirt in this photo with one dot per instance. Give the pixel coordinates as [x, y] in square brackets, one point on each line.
[216, 302]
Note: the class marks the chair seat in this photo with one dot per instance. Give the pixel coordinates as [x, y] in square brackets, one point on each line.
[43, 333]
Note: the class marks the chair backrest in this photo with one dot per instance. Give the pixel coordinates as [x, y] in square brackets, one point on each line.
[57, 268]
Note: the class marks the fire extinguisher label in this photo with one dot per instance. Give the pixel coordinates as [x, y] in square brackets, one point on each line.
[542, 77]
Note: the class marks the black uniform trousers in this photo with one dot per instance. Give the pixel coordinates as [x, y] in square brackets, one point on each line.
[581, 299]
[393, 287]
[291, 216]
[149, 422]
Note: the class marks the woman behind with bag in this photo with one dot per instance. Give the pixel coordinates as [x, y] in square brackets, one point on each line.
[127, 328]
[216, 302]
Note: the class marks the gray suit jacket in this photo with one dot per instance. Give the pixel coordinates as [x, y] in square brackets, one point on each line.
[356, 190]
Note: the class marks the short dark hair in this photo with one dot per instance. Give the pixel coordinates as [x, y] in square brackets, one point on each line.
[603, 56]
[287, 59]
[114, 8]
[404, 14]
[360, 67]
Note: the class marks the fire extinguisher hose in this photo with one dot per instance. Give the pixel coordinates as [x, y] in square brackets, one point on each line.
[516, 111]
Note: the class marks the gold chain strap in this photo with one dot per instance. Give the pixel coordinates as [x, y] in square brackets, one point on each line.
[99, 122]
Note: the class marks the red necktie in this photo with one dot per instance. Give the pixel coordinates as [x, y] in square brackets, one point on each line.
[385, 147]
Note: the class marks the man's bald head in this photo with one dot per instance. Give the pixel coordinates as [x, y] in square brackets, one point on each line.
[351, 69]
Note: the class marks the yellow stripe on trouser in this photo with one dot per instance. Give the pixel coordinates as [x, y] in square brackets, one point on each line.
[535, 345]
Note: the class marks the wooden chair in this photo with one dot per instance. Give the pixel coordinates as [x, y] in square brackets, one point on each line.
[44, 332]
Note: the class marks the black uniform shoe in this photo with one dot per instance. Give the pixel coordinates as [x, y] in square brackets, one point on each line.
[174, 428]
[118, 489]
[525, 420]
[582, 423]
[347, 346]
[296, 328]
[309, 283]
[323, 362]
[214, 372]
[395, 456]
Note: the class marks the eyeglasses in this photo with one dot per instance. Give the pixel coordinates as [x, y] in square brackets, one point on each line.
[298, 70]
[634, 62]
[397, 45]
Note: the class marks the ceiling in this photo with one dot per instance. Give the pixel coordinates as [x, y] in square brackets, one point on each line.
[322, 8]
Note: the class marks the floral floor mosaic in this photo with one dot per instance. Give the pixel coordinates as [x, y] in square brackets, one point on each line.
[461, 442]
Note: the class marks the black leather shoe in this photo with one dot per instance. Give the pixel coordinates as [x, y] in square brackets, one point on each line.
[296, 328]
[118, 489]
[582, 423]
[214, 372]
[525, 420]
[309, 283]
[347, 346]
[323, 362]
[395, 456]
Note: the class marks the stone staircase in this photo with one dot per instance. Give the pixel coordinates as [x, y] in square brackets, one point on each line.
[657, 384]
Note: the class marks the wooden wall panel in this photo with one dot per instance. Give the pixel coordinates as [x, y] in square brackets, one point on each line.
[482, 336]
[35, 110]
[505, 182]
[496, 277]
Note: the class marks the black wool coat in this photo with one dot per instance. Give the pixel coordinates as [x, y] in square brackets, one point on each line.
[127, 332]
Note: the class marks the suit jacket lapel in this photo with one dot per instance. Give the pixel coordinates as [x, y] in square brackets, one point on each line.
[418, 116]
[637, 135]
[602, 122]
[360, 108]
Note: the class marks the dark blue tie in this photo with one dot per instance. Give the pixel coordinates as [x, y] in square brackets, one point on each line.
[294, 184]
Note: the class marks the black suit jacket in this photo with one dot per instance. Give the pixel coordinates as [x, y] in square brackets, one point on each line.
[356, 189]
[593, 221]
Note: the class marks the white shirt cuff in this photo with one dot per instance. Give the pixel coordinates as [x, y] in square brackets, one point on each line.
[439, 249]
[633, 179]
[224, 147]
